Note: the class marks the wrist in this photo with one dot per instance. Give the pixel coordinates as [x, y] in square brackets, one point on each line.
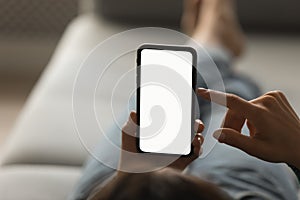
[294, 156]
[295, 160]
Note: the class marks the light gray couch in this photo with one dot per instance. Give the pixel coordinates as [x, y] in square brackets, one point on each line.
[43, 157]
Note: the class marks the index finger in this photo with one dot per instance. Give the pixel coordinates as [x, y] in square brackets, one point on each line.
[231, 101]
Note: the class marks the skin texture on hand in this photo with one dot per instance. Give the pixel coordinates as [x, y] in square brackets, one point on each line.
[129, 144]
[273, 124]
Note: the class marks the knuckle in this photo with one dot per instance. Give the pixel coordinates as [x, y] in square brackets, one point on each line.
[269, 101]
[275, 93]
[255, 101]
[271, 93]
[263, 113]
[232, 98]
[279, 92]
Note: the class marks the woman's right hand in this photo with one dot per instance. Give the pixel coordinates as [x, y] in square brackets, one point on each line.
[274, 125]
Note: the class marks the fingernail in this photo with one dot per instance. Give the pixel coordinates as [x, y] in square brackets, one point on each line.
[198, 121]
[199, 140]
[219, 136]
[202, 90]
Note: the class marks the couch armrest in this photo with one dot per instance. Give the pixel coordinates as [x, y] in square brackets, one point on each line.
[44, 132]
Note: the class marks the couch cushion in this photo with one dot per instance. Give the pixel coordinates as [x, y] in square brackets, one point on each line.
[31, 182]
[44, 132]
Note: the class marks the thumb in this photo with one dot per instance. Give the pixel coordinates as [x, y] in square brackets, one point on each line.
[130, 126]
[236, 139]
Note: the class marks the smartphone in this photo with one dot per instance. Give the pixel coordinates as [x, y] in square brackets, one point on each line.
[166, 82]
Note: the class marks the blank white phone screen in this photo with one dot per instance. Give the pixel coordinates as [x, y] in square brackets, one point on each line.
[166, 101]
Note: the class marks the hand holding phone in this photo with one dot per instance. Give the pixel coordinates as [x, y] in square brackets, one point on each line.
[166, 81]
[130, 162]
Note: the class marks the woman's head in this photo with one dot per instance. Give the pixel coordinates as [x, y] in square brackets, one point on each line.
[159, 185]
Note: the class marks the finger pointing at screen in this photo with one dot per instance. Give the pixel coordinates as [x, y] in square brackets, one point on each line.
[274, 125]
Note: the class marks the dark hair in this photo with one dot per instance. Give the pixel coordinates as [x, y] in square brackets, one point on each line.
[165, 184]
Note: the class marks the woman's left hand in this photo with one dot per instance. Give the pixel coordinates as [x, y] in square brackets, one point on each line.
[129, 144]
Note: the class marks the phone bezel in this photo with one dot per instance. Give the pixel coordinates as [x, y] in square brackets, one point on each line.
[138, 83]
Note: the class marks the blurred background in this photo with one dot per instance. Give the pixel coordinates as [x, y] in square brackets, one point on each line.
[31, 29]
[46, 37]
[29, 33]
